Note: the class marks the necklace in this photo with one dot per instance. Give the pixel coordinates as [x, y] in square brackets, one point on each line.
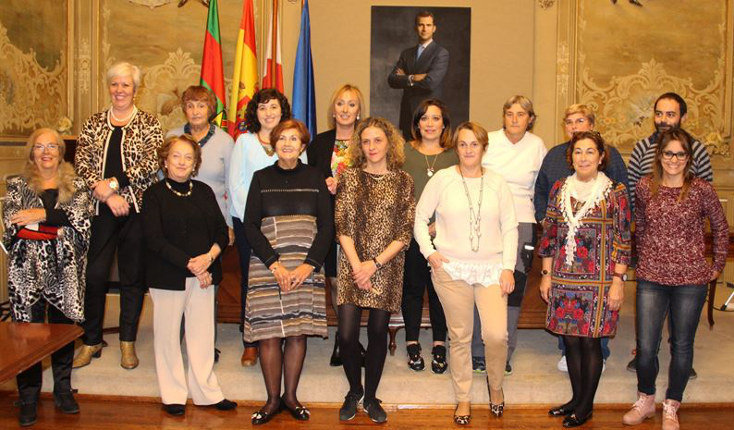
[376, 177]
[429, 167]
[267, 147]
[475, 218]
[126, 119]
[178, 193]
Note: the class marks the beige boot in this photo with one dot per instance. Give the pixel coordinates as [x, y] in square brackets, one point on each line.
[128, 358]
[643, 409]
[85, 355]
[670, 415]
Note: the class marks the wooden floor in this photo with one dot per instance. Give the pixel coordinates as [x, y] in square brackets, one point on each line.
[132, 413]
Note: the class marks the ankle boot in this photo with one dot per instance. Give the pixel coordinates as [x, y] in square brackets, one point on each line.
[336, 359]
[85, 355]
[128, 359]
[643, 409]
[28, 415]
[670, 415]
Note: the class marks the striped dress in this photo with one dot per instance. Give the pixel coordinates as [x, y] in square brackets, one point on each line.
[289, 220]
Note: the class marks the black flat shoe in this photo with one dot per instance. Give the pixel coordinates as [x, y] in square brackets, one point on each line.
[561, 411]
[66, 403]
[574, 421]
[415, 361]
[300, 413]
[175, 409]
[28, 414]
[438, 364]
[225, 405]
[262, 416]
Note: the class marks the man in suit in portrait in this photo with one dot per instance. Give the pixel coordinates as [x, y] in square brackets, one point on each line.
[419, 71]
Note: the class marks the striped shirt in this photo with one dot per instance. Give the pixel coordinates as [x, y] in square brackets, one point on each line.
[641, 161]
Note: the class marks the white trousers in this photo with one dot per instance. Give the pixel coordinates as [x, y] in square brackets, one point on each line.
[197, 304]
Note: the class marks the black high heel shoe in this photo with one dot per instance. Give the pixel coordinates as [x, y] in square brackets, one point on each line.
[300, 413]
[561, 411]
[574, 421]
[262, 416]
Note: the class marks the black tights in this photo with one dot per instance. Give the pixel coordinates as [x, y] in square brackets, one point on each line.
[276, 361]
[584, 358]
[349, 321]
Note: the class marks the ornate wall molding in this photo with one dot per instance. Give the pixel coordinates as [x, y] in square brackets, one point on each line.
[84, 66]
[31, 96]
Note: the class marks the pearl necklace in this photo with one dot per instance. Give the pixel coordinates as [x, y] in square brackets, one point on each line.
[178, 193]
[123, 120]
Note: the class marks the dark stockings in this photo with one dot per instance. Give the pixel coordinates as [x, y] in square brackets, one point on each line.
[584, 358]
[349, 322]
[275, 360]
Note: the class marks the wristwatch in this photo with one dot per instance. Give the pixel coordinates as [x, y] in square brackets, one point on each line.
[114, 185]
[377, 263]
[622, 276]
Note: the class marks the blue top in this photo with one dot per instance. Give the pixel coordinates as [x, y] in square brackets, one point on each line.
[248, 157]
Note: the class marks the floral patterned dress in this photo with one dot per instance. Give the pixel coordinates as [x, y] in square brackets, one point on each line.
[577, 304]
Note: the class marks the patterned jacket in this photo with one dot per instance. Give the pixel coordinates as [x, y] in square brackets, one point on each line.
[141, 138]
[52, 269]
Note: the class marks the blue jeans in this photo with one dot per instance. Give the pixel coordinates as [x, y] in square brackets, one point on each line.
[654, 302]
[244, 251]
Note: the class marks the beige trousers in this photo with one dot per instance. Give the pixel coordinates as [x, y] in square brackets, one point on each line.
[197, 304]
[458, 299]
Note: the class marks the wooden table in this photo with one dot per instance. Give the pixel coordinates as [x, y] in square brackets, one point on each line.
[25, 344]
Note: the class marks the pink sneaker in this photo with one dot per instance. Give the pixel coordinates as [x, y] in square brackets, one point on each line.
[643, 409]
[670, 415]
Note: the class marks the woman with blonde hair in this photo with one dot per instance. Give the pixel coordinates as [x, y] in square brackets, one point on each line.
[328, 152]
[47, 217]
[116, 156]
[374, 223]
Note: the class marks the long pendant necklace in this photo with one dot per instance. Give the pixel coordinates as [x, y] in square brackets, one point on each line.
[429, 167]
[123, 120]
[475, 218]
[178, 193]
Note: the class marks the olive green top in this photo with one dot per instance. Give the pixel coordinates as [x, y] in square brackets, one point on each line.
[417, 164]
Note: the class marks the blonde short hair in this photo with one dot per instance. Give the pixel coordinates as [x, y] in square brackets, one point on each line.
[395, 143]
[124, 68]
[583, 110]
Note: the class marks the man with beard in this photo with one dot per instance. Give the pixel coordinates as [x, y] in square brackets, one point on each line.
[670, 111]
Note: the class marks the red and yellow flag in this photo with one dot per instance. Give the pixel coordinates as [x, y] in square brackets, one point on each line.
[244, 82]
[212, 71]
[273, 73]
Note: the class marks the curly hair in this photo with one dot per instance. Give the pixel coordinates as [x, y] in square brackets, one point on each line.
[595, 137]
[395, 143]
[65, 174]
[165, 149]
[263, 96]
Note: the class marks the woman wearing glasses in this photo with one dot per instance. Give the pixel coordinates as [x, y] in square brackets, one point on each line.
[672, 272]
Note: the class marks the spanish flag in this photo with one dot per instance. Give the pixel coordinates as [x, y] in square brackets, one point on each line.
[244, 82]
[212, 72]
[273, 74]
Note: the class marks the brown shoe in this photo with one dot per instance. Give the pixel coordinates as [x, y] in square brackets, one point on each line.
[85, 355]
[128, 359]
[249, 356]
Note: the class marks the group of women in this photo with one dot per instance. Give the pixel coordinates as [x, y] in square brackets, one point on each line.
[341, 210]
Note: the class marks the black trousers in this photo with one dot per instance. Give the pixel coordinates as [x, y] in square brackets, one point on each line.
[124, 234]
[416, 280]
[29, 381]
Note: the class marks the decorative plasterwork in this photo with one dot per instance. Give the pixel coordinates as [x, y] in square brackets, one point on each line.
[163, 85]
[84, 66]
[546, 4]
[30, 95]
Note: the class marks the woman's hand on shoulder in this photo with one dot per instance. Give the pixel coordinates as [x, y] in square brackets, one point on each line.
[299, 274]
[436, 260]
[616, 294]
[28, 216]
[507, 281]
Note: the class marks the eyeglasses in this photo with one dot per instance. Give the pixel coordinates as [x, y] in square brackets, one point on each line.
[52, 147]
[578, 121]
[668, 155]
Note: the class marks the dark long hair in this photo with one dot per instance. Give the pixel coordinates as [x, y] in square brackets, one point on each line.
[686, 141]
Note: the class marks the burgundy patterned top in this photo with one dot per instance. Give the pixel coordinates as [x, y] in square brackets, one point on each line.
[670, 235]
